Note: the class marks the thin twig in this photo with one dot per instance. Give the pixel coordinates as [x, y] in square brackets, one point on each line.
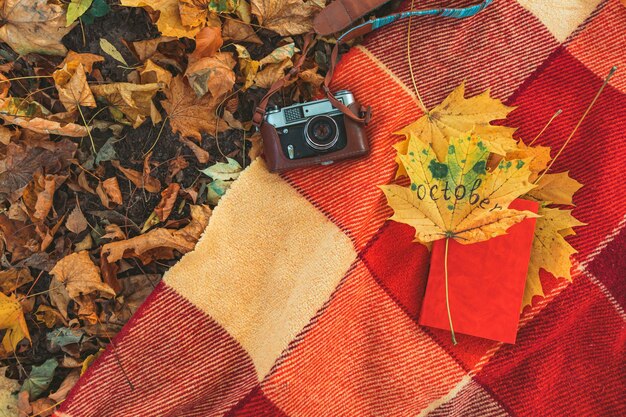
[82, 116]
[114, 351]
[604, 84]
[554, 116]
[25, 78]
[47, 409]
[217, 119]
[445, 267]
[409, 59]
[157, 138]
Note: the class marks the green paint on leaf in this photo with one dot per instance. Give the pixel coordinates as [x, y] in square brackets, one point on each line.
[437, 169]
[480, 167]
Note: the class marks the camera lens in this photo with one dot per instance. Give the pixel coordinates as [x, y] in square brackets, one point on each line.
[321, 132]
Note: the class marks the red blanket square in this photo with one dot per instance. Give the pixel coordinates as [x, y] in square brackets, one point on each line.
[485, 282]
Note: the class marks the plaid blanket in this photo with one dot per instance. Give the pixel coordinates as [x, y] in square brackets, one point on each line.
[302, 300]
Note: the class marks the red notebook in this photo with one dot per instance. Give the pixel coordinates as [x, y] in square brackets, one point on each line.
[485, 282]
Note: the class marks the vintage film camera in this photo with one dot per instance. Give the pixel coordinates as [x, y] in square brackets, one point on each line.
[312, 133]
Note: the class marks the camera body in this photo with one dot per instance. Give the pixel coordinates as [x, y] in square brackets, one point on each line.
[312, 133]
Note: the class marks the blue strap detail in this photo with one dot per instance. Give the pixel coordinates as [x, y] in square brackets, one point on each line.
[460, 13]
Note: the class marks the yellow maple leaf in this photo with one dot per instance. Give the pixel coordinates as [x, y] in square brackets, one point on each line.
[550, 250]
[458, 198]
[12, 319]
[170, 22]
[540, 158]
[455, 116]
[556, 188]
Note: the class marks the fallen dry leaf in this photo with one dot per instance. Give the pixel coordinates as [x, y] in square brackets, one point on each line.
[80, 277]
[73, 88]
[235, 30]
[257, 146]
[85, 244]
[159, 243]
[271, 73]
[12, 319]
[214, 75]
[5, 135]
[133, 100]
[248, 66]
[43, 407]
[59, 297]
[48, 316]
[33, 26]
[152, 73]
[193, 13]
[67, 384]
[12, 279]
[83, 183]
[18, 211]
[47, 233]
[134, 289]
[168, 199]
[19, 238]
[112, 189]
[169, 21]
[190, 115]
[201, 155]
[146, 49]
[550, 250]
[23, 403]
[76, 221]
[176, 165]
[38, 195]
[22, 160]
[280, 54]
[198, 13]
[458, 198]
[72, 59]
[208, 42]
[5, 85]
[285, 17]
[37, 123]
[10, 405]
[113, 232]
[141, 180]
[457, 115]
[312, 77]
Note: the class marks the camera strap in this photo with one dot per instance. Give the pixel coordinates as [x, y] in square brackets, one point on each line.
[364, 114]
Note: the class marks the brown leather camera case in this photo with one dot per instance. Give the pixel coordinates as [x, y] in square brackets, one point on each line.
[277, 161]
